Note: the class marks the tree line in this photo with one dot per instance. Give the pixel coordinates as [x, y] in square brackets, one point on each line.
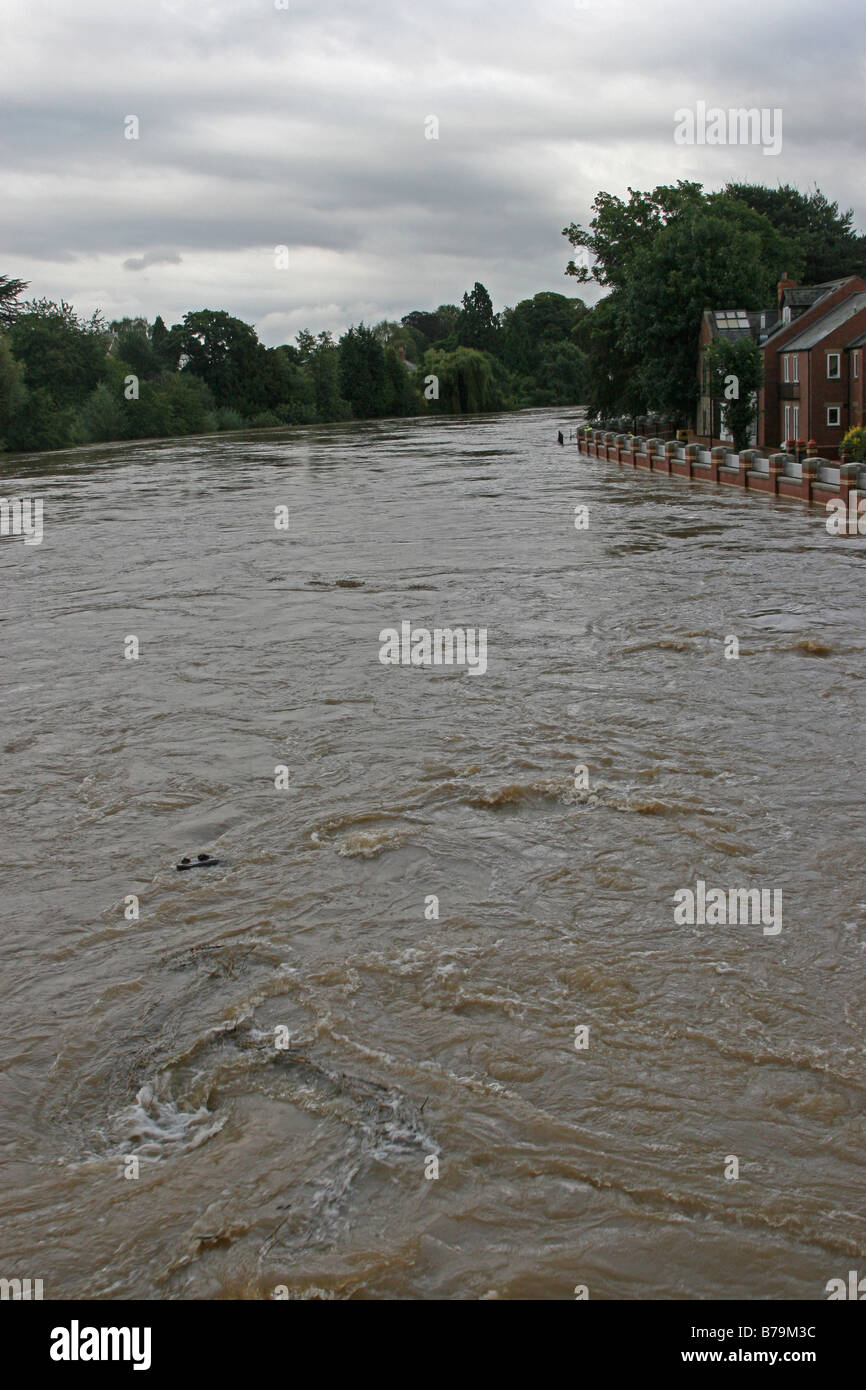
[66, 379]
[663, 256]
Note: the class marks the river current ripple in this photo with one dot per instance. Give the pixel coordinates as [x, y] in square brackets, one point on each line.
[409, 1037]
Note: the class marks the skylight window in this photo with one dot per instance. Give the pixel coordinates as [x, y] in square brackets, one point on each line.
[732, 318]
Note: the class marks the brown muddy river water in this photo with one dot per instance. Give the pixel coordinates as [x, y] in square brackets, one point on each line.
[289, 1043]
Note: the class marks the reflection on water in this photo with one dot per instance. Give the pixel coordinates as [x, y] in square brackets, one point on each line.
[389, 964]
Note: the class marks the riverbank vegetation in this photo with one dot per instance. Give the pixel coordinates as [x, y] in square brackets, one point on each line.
[66, 379]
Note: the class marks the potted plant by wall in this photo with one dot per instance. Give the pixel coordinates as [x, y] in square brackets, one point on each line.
[854, 444]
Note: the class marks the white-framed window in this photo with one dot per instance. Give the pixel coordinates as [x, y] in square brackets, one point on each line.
[796, 373]
[796, 422]
[786, 314]
[786, 368]
[833, 367]
[856, 357]
[834, 415]
[788, 434]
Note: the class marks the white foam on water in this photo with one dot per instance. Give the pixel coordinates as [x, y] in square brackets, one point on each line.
[153, 1128]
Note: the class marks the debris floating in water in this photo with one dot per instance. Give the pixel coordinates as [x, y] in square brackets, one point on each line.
[202, 861]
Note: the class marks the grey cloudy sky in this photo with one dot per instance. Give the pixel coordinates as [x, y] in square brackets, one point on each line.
[305, 126]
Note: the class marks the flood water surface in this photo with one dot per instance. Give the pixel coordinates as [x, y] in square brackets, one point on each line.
[428, 880]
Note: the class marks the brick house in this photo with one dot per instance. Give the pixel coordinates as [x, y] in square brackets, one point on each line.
[816, 372]
[813, 345]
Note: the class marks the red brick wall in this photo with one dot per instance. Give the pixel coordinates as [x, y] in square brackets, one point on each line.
[823, 392]
[798, 428]
[770, 416]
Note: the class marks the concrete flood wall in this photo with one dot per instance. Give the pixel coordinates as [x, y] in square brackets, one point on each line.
[812, 480]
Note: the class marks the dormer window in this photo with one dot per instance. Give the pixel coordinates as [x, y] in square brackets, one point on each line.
[786, 314]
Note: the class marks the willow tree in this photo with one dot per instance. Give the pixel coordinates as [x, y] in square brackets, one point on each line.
[468, 381]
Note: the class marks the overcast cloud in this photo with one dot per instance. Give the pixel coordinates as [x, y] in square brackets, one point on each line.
[305, 127]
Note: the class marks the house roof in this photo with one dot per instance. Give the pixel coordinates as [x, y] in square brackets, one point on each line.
[804, 296]
[807, 294]
[858, 341]
[826, 323]
[832, 284]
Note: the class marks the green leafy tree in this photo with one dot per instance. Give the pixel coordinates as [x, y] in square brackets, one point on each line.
[719, 254]
[478, 326]
[386, 330]
[736, 374]
[132, 345]
[561, 375]
[533, 324]
[432, 328]
[425, 325]
[10, 292]
[37, 423]
[398, 335]
[101, 416]
[10, 387]
[166, 344]
[301, 408]
[469, 381]
[177, 404]
[401, 397]
[613, 386]
[320, 359]
[668, 255]
[228, 419]
[222, 352]
[618, 231]
[828, 245]
[62, 354]
[362, 372]
[267, 382]
[190, 404]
